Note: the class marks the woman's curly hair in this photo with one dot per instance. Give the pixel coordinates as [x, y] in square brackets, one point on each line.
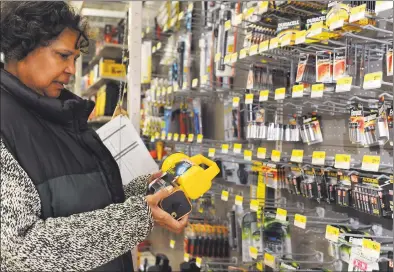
[28, 25]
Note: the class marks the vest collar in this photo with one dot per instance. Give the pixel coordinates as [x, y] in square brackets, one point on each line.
[67, 110]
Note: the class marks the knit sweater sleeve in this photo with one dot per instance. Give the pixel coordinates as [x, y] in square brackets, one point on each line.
[138, 186]
[79, 242]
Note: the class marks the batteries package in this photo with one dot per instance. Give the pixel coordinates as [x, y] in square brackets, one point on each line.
[311, 130]
[324, 66]
[257, 130]
[306, 69]
[389, 60]
[339, 67]
[390, 123]
[356, 124]
[330, 182]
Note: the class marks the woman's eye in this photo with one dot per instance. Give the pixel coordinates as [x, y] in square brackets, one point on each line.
[64, 56]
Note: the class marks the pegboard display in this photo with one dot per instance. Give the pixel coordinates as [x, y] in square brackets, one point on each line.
[293, 101]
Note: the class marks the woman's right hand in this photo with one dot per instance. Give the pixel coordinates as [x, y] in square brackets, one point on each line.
[161, 217]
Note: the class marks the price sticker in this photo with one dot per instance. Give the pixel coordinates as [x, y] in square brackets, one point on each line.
[169, 136]
[264, 95]
[163, 91]
[211, 152]
[176, 87]
[247, 155]
[370, 163]
[297, 155]
[249, 99]
[165, 28]
[227, 59]
[300, 221]
[259, 266]
[269, 260]
[184, 85]
[199, 138]
[152, 139]
[253, 252]
[300, 37]
[181, 15]
[237, 148]
[253, 49]
[357, 13]
[147, 30]
[373, 80]
[344, 84]
[239, 200]
[263, 46]
[163, 135]
[238, 19]
[370, 249]
[249, 13]
[275, 156]
[261, 153]
[198, 262]
[280, 93]
[157, 135]
[194, 83]
[190, 138]
[298, 91]
[234, 57]
[274, 43]
[318, 157]
[336, 23]
[176, 137]
[263, 7]
[173, 21]
[286, 39]
[190, 7]
[332, 233]
[224, 196]
[317, 90]
[342, 161]
[153, 49]
[235, 102]
[158, 46]
[183, 137]
[186, 257]
[383, 6]
[243, 53]
[204, 79]
[281, 214]
[172, 244]
[227, 25]
[142, 34]
[225, 148]
[315, 29]
[254, 205]
[218, 55]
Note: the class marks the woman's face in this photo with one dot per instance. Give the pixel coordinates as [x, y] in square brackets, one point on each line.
[48, 68]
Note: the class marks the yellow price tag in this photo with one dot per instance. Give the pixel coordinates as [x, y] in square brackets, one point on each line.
[186, 257]
[275, 156]
[176, 137]
[238, 19]
[163, 135]
[318, 157]
[190, 138]
[342, 161]
[247, 155]
[263, 7]
[297, 155]
[269, 260]
[147, 30]
[152, 138]
[253, 252]
[224, 196]
[259, 266]
[274, 43]
[298, 91]
[332, 233]
[225, 148]
[198, 262]
[172, 244]
[158, 46]
[239, 200]
[176, 87]
[249, 13]
[286, 39]
[249, 99]
[281, 214]
[227, 25]
[263, 95]
[373, 80]
[169, 90]
[317, 90]
[357, 13]
[261, 153]
[227, 59]
[194, 83]
[235, 102]
[218, 55]
[183, 137]
[173, 21]
[243, 53]
[300, 37]
[344, 84]
[190, 7]
[199, 138]
[237, 148]
[204, 79]
[253, 49]
[157, 135]
[263, 46]
[370, 249]
[254, 205]
[300, 221]
[280, 93]
[169, 136]
[181, 15]
[153, 49]
[211, 152]
[370, 163]
[184, 85]
[234, 57]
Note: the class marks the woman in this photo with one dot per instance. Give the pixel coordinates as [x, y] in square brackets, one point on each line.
[63, 206]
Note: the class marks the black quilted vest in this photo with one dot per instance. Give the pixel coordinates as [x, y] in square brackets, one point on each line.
[71, 168]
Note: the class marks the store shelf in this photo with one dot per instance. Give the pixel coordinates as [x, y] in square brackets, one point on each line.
[108, 50]
[100, 120]
[99, 83]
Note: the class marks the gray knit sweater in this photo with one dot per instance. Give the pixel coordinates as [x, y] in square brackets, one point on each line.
[79, 242]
